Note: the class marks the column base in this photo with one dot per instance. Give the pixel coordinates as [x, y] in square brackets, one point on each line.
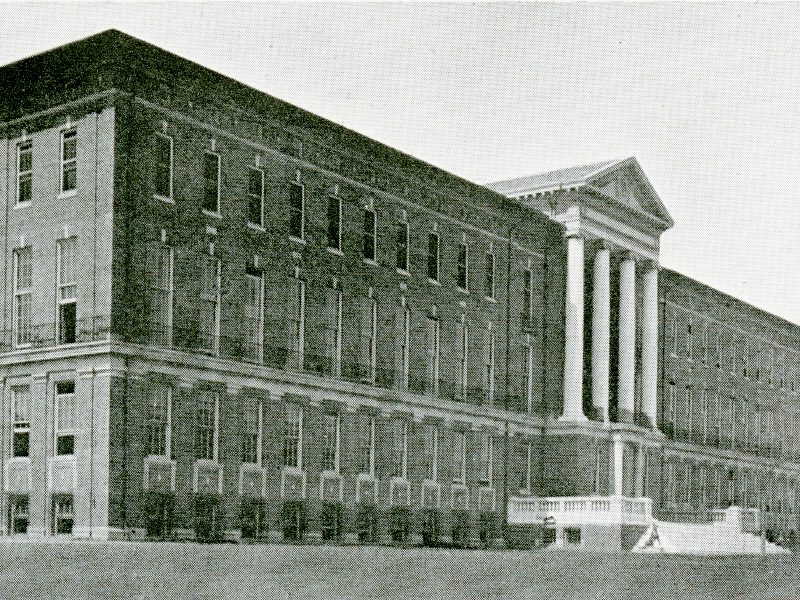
[579, 418]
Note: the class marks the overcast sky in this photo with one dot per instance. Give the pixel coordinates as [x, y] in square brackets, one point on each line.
[706, 96]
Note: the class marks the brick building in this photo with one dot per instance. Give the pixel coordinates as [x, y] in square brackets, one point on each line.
[227, 317]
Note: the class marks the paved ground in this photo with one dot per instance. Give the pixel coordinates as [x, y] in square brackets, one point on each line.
[174, 570]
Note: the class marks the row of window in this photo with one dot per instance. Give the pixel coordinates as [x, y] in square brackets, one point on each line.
[705, 485]
[158, 425]
[66, 293]
[68, 159]
[728, 422]
[751, 359]
[64, 419]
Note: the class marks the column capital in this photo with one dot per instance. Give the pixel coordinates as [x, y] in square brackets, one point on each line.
[574, 233]
[650, 264]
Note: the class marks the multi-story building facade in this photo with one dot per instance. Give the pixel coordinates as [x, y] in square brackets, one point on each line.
[227, 317]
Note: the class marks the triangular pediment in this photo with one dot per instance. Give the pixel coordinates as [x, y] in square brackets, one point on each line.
[625, 183]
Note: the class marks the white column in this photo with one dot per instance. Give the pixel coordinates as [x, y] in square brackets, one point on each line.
[626, 387]
[573, 343]
[650, 344]
[601, 336]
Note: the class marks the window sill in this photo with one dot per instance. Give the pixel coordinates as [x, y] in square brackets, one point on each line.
[67, 194]
[462, 290]
[22, 205]
[335, 251]
[403, 272]
[209, 213]
[490, 299]
[297, 240]
[370, 261]
[164, 199]
[434, 282]
[256, 227]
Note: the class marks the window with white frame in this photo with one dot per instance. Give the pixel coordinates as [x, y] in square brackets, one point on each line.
[459, 457]
[368, 245]
[67, 259]
[433, 356]
[252, 435]
[254, 315]
[488, 365]
[333, 330]
[297, 320]
[527, 299]
[365, 444]
[334, 222]
[463, 360]
[69, 160]
[527, 476]
[255, 196]
[399, 448]
[330, 442]
[293, 436]
[296, 210]
[486, 459]
[212, 176]
[159, 276]
[402, 246]
[670, 416]
[462, 266]
[163, 166]
[65, 418]
[527, 375]
[209, 302]
[207, 414]
[23, 296]
[404, 340]
[488, 289]
[158, 420]
[431, 450]
[688, 414]
[63, 514]
[24, 172]
[21, 404]
[433, 256]
[369, 338]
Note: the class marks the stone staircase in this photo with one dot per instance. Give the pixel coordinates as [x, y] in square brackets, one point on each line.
[723, 537]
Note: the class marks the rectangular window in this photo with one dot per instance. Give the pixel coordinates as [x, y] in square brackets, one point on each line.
[459, 457]
[24, 172]
[163, 164]
[253, 425]
[296, 210]
[433, 256]
[462, 270]
[369, 338]
[334, 331]
[334, 222]
[212, 174]
[63, 514]
[297, 321]
[404, 341]
[69, 160]
[463, 361]
[431, 451]
[688, 414]
[527, 377]
[23, 296]
[488, 367]
[399, 448]
[21, 398]
[293, 436]
[330, 442]
[207, 412]
[486, 459]
[402, 246]
[254, 315]
[370, 222]
[365, 440]
[65, 418]
[159, 276]
[670, 416]
[19, 513]
[255, 196]
[209, 302]
[489, 288]
[158, 420]
[527, 299]
[433, 356]
[67, 289]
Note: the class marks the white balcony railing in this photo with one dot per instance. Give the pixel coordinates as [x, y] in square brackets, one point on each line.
[567, 511]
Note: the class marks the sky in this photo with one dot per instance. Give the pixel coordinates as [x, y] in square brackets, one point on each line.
[705, 96]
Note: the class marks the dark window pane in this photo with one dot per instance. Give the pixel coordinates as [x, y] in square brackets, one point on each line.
[65, 445]
[21, 440]
[66, 323]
